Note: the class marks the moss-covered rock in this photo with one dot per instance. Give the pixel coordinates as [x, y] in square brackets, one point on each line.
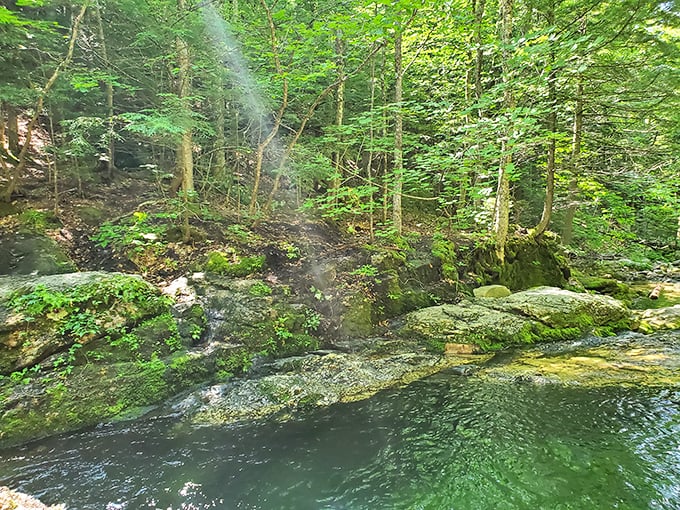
[32, 253]
[43, 316]
[541, 314]
[230, 264]
[630, 359]
[467, 323]
[529, 262]
[649, 321]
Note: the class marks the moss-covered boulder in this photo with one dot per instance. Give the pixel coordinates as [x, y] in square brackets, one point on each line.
[491, 291]
[529, 262]
[43, 316]
[83, 348]
[559, 308]
[540, 314]
[31, 254]
[467, 323]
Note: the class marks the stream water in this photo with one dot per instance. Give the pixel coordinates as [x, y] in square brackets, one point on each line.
[446, 442]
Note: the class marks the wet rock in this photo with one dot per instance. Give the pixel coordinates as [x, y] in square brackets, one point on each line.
[461, 349]
[631, 358]
[310, 381]
[13, 500]
[648, 321]
[491, 291]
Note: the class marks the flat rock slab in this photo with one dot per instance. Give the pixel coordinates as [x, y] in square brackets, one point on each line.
[311, 381]
[657, 319]
[628, 359]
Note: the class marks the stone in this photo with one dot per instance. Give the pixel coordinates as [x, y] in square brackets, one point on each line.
[559, 308]
[539, 314]
[14, 500]
[648, 321]
[491, 291]
[32, 254]
[451, 348]
[467, 323]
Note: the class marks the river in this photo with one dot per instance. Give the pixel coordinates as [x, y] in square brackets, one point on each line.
[445, 442]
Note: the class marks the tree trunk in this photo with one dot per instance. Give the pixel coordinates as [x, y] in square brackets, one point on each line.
[252, 208]
[15, 175]
[111, 143]
[12, 130]
[474, 81]
[220, 167]
[552, 129]
[339, 108]
[575, 163]
[398, 171]
[185, 158]
[502, 207]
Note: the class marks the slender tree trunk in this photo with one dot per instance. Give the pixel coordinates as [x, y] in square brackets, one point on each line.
[12, 130]
[15, 175]
[220, 168]
[111, 142]
[552, 129]
[185, 157]
[502, 207]
[398, 184]
[339, 108]
[474, 82]
[369, 163]
[259, 159]
[575, 163]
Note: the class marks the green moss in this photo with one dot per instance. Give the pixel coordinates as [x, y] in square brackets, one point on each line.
[223, 264]
[445, 251]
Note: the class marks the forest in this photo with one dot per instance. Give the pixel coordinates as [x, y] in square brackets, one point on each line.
[361, 254]
[483, 117]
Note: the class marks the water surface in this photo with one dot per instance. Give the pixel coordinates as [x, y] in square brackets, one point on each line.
[447, 442]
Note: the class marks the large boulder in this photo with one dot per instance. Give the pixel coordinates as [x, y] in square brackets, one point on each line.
[44, 315]
[559, 308]
[29, 253]
[539, 314]
[467, 323]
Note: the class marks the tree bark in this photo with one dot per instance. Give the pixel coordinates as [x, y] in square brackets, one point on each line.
[12, 130]
[502, 206]
[15, 175]
[552, 129]
[398, 168]
[259, 158]
[339, 107]
[185, 160]
[111, 143]
[575, 164]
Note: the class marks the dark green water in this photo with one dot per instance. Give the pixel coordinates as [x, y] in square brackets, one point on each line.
[447, 442]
